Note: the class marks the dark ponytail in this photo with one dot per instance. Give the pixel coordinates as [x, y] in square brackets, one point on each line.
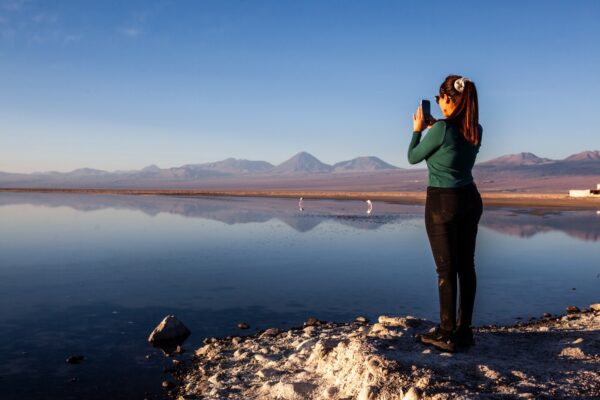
[466, 114]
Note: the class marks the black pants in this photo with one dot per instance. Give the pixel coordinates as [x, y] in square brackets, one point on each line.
[451, 219]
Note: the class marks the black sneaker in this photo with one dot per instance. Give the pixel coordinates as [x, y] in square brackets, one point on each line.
[439, 339]
[463, 337]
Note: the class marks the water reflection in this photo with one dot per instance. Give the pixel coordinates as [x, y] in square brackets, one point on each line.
[524, 223]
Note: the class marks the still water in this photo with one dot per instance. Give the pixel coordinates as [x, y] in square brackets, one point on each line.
[93, 275]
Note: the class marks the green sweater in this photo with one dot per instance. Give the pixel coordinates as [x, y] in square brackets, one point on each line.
[449, 156]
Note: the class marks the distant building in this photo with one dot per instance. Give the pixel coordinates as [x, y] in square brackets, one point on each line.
[585, 192]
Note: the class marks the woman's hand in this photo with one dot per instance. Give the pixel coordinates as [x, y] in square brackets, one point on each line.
[419, 121]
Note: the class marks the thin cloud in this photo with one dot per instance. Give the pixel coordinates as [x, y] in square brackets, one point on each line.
[13, 5]
[130, 32]
[69, 39]
[45, 18]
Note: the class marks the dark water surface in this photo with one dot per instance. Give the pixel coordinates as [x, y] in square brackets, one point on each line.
[93, 275]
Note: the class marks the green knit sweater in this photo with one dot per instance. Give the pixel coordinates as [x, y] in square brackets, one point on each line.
[449, 156]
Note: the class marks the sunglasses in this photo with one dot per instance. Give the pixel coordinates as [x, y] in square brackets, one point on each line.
[437, 99]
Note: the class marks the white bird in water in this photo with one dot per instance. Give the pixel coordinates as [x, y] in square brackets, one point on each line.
[369, 207]
[300, 204]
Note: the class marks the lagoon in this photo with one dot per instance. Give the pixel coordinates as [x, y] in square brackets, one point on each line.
[93, 275]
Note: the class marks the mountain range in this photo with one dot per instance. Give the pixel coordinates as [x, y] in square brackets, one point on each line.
[304, 167]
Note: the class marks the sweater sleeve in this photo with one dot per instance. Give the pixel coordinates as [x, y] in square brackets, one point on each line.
[419, 150]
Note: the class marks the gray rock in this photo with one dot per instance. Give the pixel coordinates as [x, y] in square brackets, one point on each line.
[170, 328]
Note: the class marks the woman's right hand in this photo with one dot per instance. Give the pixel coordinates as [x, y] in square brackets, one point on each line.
[419, 123]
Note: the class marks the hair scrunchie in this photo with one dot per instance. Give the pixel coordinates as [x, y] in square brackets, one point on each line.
[459, 84]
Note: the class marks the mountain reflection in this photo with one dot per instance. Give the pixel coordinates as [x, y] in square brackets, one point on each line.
[582, 225]
[524, 223]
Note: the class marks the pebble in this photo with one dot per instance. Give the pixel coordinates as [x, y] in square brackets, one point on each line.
[313, 321]
[519, 374]
[75, 359]
[209, 340]
[309, 330]
[260, 358]
[215, 379]
[578, 340]
[167, 385]
[268, 372]
[595, 307]
[361, 319]
[271, 332]
[572, 309]
[330, 392]
[547, 315]
[574, 352]
[243, 325]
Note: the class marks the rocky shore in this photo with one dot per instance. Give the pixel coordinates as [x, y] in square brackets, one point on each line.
[550, 357]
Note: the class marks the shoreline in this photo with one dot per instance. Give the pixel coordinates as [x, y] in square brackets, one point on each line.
[494, 199]
[548, 357]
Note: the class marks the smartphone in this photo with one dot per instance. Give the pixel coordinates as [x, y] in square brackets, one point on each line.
[426, 107]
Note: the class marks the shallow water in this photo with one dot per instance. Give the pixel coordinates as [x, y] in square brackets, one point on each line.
[93, 275]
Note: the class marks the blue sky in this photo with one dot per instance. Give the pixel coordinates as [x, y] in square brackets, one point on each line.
[123, 84]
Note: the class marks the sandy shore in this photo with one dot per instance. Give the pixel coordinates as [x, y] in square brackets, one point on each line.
[498, 199]
[551, 357]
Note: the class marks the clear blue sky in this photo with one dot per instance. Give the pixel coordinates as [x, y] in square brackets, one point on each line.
[123, 84]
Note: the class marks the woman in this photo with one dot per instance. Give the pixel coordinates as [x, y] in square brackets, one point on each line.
[453, 206]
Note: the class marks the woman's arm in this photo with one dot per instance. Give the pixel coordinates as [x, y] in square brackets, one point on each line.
[419, 150]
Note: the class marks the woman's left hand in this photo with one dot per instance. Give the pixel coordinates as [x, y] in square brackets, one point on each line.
[419, 123]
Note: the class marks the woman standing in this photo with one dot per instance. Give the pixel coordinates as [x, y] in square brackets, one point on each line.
[453, 206]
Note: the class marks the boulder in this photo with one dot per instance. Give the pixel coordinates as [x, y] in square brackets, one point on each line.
[169, 329]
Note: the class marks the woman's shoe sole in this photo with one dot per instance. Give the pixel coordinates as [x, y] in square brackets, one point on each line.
[438, 344]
